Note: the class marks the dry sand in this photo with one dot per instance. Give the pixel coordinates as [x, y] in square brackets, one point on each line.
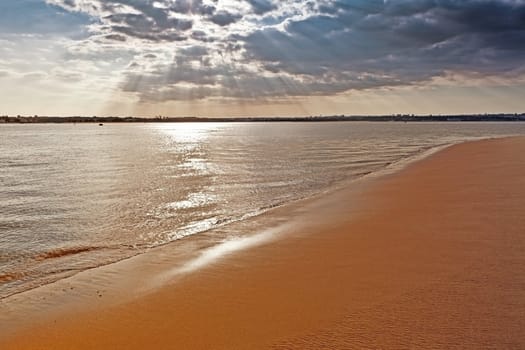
[433, 257]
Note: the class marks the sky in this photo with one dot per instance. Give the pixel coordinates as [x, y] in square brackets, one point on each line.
[261, 57]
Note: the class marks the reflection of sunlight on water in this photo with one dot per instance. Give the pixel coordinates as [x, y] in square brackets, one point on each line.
[187, 132]
[192, 228]
[188, 142]
[198, 165]
[194, 200]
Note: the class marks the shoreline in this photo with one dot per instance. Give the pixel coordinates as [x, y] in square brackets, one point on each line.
[401, 118]
[385, 171]
[323, 307]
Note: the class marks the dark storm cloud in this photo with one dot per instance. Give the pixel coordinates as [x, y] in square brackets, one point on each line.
[151, 23]
[200, 35]
[150, 28]
[116, 37]
[300, 48]
[404, 41]
[144, 19]
[224, 18]
[262, 6]
[192, 6]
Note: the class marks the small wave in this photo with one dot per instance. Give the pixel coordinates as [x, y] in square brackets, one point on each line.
[273, 205]
[22, 164]
[9, 277]
[61, 252]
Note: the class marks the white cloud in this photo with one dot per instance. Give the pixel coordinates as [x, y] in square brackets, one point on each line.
[175, 50]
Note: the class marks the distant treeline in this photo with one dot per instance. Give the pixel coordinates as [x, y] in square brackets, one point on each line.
[160, 119]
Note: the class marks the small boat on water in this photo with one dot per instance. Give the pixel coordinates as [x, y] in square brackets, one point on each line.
[100, 124]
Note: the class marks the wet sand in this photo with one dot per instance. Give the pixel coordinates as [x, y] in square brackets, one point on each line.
[429, 257]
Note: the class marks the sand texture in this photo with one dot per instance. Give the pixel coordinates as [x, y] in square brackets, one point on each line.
[432, 257]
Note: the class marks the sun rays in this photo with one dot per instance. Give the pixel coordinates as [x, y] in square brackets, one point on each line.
[260, 57]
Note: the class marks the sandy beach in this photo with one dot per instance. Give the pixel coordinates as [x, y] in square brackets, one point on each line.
[430, 257]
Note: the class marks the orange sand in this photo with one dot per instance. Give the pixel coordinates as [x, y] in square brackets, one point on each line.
[434, 257]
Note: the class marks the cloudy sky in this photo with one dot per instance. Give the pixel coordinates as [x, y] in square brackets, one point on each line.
[261, 57]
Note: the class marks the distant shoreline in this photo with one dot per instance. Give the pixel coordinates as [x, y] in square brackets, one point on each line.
[503, 117]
